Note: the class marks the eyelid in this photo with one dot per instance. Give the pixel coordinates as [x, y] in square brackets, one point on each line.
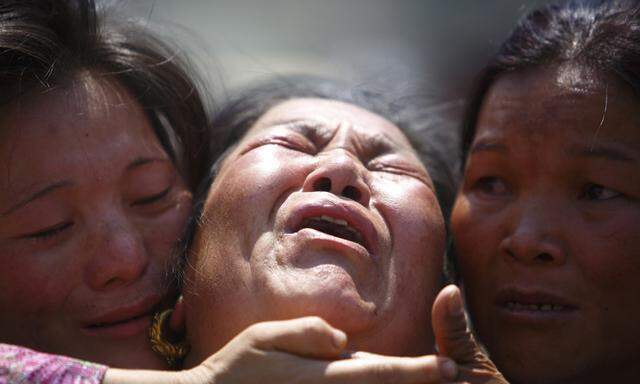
[479, 185]
[380, 166]
[615, 193]
[296, 145]
[48, 232]
[153, 198]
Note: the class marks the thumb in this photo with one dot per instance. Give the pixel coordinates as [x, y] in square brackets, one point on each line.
[455, 340]
[453, 336]
[307, 336]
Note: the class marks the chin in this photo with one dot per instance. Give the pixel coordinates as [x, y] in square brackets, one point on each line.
[326, 291]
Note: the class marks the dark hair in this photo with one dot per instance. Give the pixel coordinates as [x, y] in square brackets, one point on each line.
[45, 43]
[603, 35]
[427, 131]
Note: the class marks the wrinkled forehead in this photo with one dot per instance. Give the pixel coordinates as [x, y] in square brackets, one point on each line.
[557, 87]
[331, 115]
[553, 99]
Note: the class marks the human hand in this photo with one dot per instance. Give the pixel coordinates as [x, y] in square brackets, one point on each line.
[455, 340]
[306, 350]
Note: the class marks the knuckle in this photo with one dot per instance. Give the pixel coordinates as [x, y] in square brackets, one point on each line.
[386, 373]
[313, 324]
[255, 331]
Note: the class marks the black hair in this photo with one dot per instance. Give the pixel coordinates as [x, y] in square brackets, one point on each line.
[45, 43]
[427, 131]
[603, 35]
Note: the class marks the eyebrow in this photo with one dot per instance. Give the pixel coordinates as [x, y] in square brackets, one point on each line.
[38, 195]
[603, 152]
[488, 146]
[303, 126]
[310, 126]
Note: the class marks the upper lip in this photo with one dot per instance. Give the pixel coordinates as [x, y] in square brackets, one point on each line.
[352, 213]
[124, 313]
[532, 296]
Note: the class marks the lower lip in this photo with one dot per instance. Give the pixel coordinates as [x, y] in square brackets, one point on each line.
[123, 330]
[536, 318]
[331, 241]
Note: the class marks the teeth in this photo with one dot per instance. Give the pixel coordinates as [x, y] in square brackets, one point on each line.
[534, 307]
[342, 223]
[335, 221]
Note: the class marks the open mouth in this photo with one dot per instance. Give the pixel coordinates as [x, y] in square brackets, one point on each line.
[334, 227]
[537, 303]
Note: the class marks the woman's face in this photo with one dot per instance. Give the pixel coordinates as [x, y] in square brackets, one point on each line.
[90, 208]
[322, 209]
[547, 225]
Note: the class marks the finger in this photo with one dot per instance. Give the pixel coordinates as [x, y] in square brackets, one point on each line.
[453, 336]
[385, 369]
[307, 336]
[455, 339]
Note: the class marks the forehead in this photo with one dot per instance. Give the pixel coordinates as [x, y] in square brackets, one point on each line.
[331, 114]
[89, 123]
[563, 102]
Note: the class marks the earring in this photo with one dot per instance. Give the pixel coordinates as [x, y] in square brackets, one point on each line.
[173, 348]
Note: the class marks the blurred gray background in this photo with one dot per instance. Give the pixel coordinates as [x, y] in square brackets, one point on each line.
[435, 45]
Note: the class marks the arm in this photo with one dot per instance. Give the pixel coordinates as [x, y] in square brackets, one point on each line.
[305, 350]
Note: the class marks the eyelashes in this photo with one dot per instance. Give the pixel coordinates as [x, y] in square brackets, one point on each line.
[152, 199]
[491, 186]
[48, 232]
[597, 192]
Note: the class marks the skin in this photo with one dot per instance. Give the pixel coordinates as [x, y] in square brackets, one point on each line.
[550, 203]
[90, 209]
[250, 263]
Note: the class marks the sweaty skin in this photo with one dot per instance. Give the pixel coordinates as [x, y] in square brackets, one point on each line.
[259, 257]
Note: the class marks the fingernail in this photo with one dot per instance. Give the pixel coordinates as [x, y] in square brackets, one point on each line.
[448, 369]
[455, 306]
[339, 339]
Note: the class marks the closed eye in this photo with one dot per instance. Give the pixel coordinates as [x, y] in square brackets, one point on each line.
[152, 199]
[48, 232]
[397, 169]
[295, 145]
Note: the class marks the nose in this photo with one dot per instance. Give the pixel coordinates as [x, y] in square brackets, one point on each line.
[340, 173]
[536, 236]
[118, 256]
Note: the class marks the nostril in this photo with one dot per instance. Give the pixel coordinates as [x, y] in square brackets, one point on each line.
[322, 184]
[351, 192]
